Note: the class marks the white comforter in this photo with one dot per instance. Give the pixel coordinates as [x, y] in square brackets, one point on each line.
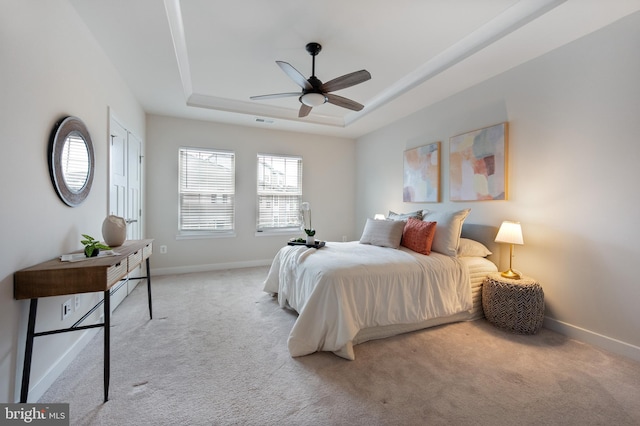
[345, 287]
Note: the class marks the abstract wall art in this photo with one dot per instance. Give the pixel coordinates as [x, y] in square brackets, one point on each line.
[478, 164]
[422, 174]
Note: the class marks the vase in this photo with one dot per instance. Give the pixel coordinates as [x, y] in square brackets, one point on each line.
[311, 240]
[114, 231]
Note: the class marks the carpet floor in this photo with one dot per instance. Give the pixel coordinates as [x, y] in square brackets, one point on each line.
[216, 354]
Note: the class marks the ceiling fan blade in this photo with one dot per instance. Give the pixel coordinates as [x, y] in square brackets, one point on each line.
[343, 102]
[304, 110]
[345, 81]
[275, 96]
[294, 75]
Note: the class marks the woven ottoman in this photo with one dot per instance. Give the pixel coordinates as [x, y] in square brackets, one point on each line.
[513, 305]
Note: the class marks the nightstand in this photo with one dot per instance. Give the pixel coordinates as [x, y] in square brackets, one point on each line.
[513, 305]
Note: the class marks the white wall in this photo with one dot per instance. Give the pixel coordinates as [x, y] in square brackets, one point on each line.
[574, 118]
[574, 159]
[50, 67]
[328, 184]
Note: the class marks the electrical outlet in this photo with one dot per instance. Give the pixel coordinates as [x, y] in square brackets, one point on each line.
[163, 249]
[66, 309]
[76, 302]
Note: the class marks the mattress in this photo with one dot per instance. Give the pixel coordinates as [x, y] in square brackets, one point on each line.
[478, 268]
[348, 293]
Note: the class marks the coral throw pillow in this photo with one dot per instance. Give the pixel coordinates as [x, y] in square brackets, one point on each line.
[418, 235]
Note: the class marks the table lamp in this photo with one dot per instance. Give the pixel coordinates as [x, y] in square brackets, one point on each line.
[510, 233]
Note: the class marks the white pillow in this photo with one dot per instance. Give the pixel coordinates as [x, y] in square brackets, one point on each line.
[404, 216]
[448, 229]
[472, 248]
[383, 233]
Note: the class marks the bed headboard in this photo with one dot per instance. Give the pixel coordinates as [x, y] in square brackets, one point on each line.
[486, 234]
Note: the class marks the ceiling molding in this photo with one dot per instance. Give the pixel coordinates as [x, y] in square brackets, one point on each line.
[503, 24]
[508, 21]
[251, 108]
[176, 27]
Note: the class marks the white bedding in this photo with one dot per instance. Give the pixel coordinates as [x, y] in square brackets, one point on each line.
[343, 288]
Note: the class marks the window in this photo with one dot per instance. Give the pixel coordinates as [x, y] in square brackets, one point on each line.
[207, 191]
[279, 192]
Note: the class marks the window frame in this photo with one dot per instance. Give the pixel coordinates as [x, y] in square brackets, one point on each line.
[297, 194]
[206, 232]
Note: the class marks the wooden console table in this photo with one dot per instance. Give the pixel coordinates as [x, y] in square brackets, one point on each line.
[55, 278]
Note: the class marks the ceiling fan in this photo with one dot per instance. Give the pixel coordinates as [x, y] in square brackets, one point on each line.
[315, 92]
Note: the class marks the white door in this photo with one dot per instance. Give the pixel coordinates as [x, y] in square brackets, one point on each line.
[125, 173]
[134, 209]
[117, 169]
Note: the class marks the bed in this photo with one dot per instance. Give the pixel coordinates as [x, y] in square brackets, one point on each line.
[347, 293]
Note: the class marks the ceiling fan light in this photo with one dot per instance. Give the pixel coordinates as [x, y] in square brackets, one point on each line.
[313, 99]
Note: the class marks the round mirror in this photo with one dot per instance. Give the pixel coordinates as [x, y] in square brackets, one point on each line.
[71, 160]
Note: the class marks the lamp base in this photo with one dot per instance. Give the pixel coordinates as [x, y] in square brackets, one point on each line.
[511, 274]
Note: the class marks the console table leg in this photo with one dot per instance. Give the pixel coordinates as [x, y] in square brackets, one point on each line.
[149, 288]
[107, 351]
[28, 351]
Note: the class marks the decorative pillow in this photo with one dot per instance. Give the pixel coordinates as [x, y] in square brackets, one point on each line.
[383, 233]
[418, 235]
[404, 216]
[448, 229]
[472, 248]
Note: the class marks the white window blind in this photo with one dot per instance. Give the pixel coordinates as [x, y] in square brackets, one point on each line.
[207, 190]
[279, 192]
[75, 163]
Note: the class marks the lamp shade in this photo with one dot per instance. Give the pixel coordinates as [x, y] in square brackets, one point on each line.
[379, 216]
[510, 232]
[313, 99]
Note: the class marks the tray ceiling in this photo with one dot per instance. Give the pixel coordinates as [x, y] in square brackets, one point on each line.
[203, 59]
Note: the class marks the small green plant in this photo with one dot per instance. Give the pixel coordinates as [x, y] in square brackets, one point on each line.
[92, 246]
[305, 210]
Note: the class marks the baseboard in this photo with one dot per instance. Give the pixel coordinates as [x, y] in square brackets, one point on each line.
[209, 267]
[36, 391]
[592, 338]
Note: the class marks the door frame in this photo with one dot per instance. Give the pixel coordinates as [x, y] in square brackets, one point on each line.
[130, 137]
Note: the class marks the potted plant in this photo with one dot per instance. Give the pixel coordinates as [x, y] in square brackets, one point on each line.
[306, 223]
[92, 246]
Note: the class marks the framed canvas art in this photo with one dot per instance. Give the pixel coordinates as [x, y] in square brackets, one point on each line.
[422, 174]
[478, 164]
